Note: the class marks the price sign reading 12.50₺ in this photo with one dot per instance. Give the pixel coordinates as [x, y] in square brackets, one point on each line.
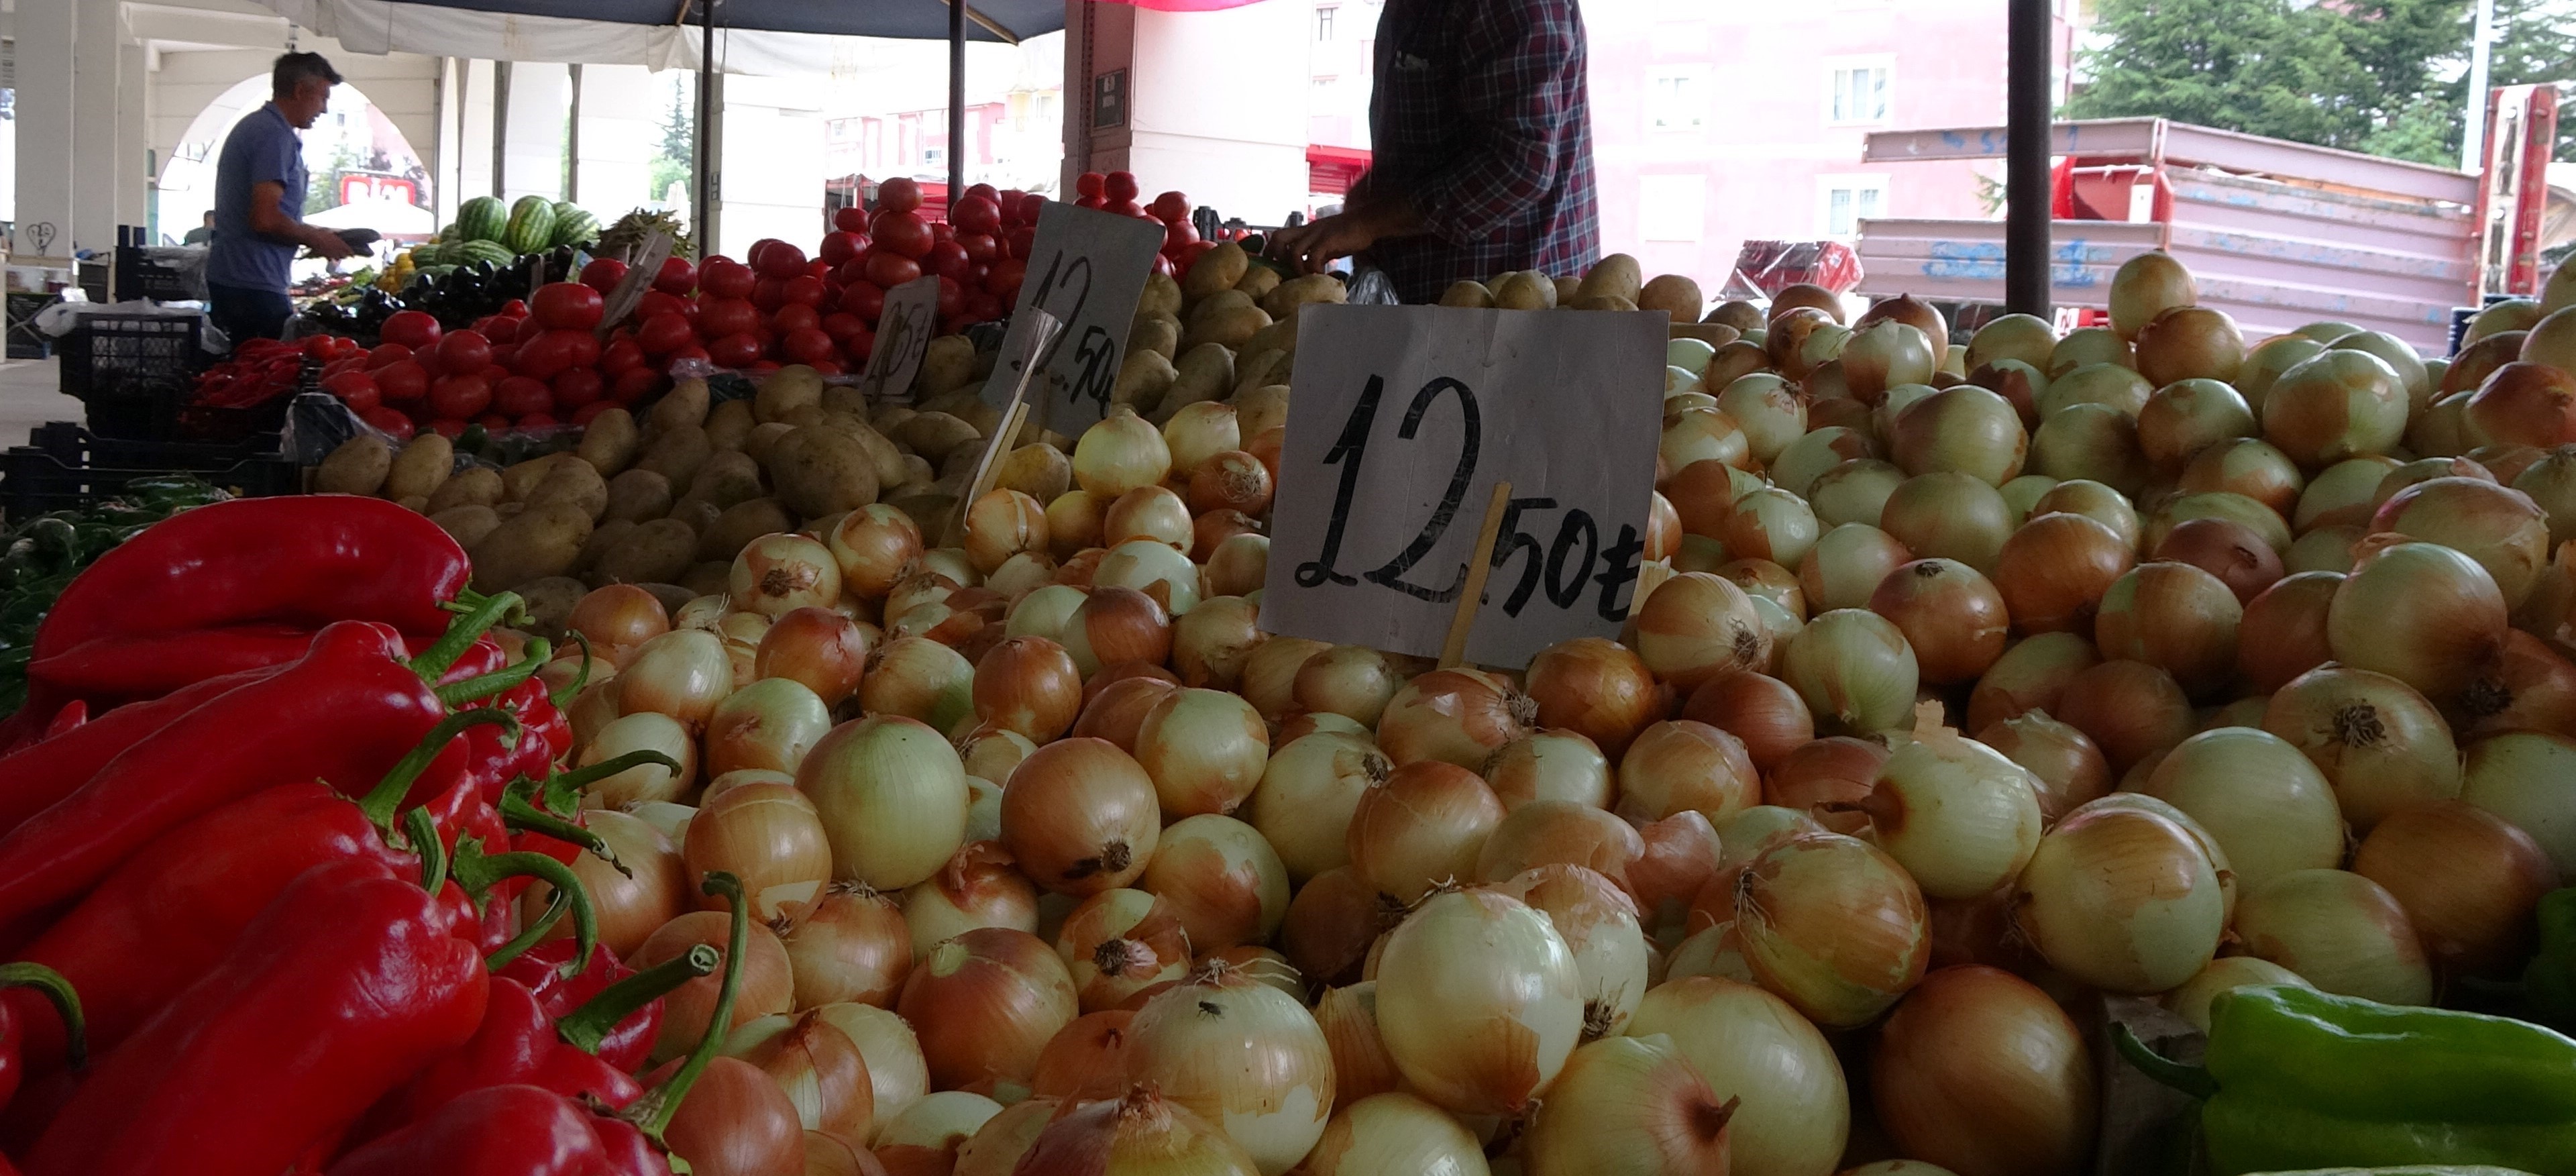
[1087, 269]
[1402, 420]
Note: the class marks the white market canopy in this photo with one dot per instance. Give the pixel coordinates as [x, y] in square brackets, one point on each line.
[764, 37]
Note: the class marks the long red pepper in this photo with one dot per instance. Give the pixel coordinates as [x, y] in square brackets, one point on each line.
[344, 713]
[26, 977]
[625, 1045]
[44, 772]
[350, 982]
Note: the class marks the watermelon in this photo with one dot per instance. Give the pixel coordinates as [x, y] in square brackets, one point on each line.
[532, 224]
[483, 218]
[573, 226]
[471, 252]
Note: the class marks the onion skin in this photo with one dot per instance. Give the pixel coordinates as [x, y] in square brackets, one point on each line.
[1423, 826]
[1307, 793]
[2339, 931]
[2175, 617]
[2069, 769]
[1459, 716]
[1204, 749]
[984, 1005]
[2229, 550]
[848, 944]
[2421, 613]
[1627, 1106]
[1142, 1133]
[1854, 670]
[1827, 778]
[2283, 634]
[2121, 899]
[736, 1122]
[1949, 613]
[1680, 765]
[2268, 806]
[1331, 923]
[1598, 689]
[1959, 816]
[1479, 1032]
[1979, 1071]
[2520, 776]
[2031, 675]
[1222, 880]
[1243, 1056]
[767, 986]
[1028, 685]
[1087, 1059]
[1080, 817]
[2467, 879]
[2527, 687]
[2380, 744]
[1834, 926]
[1762, 711]
[1117, 708]
[1696, 627]
[2129, 709]
[1389, 1132]
[1361, 1067]
[1796, 1110]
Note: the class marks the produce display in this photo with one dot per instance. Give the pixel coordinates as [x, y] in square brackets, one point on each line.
[1966, 683]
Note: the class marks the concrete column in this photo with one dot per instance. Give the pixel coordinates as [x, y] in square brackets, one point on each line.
[135, 166]
[443, 145]
[45, 33]
[532, 147]
[94, 166]
[473, 117]
[621, 112]
[771, 160]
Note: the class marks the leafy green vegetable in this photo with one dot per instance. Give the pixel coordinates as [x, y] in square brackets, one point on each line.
[41, 555]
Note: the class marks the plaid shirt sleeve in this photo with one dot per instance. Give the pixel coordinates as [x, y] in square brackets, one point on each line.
[1522, 93]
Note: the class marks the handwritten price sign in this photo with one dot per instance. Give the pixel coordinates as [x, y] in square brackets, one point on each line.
[1087, 269]
[904, 328]
[1403, 417]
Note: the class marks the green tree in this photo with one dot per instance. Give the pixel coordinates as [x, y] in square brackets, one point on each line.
[673, 158]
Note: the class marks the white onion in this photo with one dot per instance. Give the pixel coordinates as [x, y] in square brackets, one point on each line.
[1222, 879]
[2266, 804]
[2191, 1001]
[1854, 670]
[2524, 777]
[2121, 899]
[2339, 931]
[1479, 1001]
[1307, 793]
[1242, 1055]
[1390, 1133]
[1960, 817]
[1598, 922]
[892, 796]
[1749, 1044]
[1628, 1106]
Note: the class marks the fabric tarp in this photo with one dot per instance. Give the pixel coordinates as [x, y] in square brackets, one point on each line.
[538, 30]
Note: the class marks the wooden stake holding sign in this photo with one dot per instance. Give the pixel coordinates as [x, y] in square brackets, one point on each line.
[1471, 600]
[1042, 329]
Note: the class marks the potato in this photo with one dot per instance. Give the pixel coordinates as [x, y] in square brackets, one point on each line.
[1206, 373]
[637, 495]
[928, 508]
[882, 453]
[609, 442]
[889, 418]
[1039, 470]
[757, 446]
[821, 469]
[471, 486]
[956, 403]
[1159, 333]
[1142, 380]
[1567, 290]
[684, 406]
[727, 424]
[1162, 296]
[806, 414]
[677, 454]
[573, 481]
[849, 398]
[1298, 292]
[726, 479]
[934, 434]
[541, 541]
[423, 464]
[916, 469]
[1737, 313]
[710, 578]
[960, 466]
[1616, 276]
[947, 364]
[1217, 269]
[1259, 409]
[466, 524]
[697, 514]
[415, 504]
[550, 602]
[1523, 290]
[1222, 322]
[604, 538]
[1673, 294]
[357, 466]
[1254, 372]
[740, 524]
[1467, 292]
[519, 481]
[1601, 302]
[786, 388]
[1280, 336]
[656, 552]
[1258, 280]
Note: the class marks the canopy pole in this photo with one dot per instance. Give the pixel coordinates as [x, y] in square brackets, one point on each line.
[956, 103]
[704, 216]
[2026, 143]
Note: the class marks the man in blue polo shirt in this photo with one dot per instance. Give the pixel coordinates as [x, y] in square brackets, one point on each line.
[259, 203]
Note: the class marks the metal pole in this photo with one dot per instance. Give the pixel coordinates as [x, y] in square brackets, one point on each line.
[2027, 117]
[704, 165]
[956, 101]
[2473, 142]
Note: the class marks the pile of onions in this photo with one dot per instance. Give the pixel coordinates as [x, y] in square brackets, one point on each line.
[1240, 1054]
[1628, 1107]
[1306, 796]
[849, 944]
[815, 647]
[2266, 804]
[1846, 565]
[1598, 922]
[1696, 627]
[2130, 710]
[1827, 779]
[2121, 899]
[2175, 617]
[630, 904]
[1559, 832]
[1394, 1132]
[1854, 670]
[1479, 1002]
[891, 794]
[984, 1005]
[1204, 749]
[1139, 1134]
[770, 724]
[1959, 816]
[2064, 765]
[977, 888]
[1549, 765]
[1951, 516]
[1115, 625]
[1795, 1111]
[817, 1066]
[1950, 615]
[1833, 925]
[1598, 689]
[920, 679]
[2339, 931]
[1222, 880]
[1080, 817]
[735, 1121]
[1001, 524]
[1683, 764]
[1461, 716]
[2283, 633]
[769, 836]
[1979, 1071]
[2421, 613]
[2467, 879]
[1422, 827]
[996, 1147]
[1361, 1067]
[1028, 685]
[1116, 709]
[767, 987]
[2186, 416]
[2380, 744]
[2499, 527]
[2031, 675]
[2522, 776]
[1762, 711]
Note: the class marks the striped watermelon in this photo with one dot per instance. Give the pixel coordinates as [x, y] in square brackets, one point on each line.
[472, 252]
[573, 226]
[532, 224]
[483, 218]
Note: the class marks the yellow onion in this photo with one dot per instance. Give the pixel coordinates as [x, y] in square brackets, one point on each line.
[1118, 943]
[1770, 523]
[1269, 678]
[920, 679]
[1950, 516]
[2247, 466]
[2345, 492]
[1959, 816]
[2226, 973]
[1331, 924]
[1684, 764]
[2066, 767]
[1148, 512]
[688, 1011]
[2421, 613]
[2339, 931]
[1028, 686]
[2522, 777]
[1196, 432]
[2091, 441]
[926, 1135]
[1243, 1056]
[2499, 527]
[1951, 617]
[1479, 1002]
[1391, 1132]
[1087, 1059]
[1559, 832]
[1702, 492]
[2527, 686]
[649, 886]
[996, 1148]
[1598, 923]
[681, 674]
[1307, 792]
[893, 1055]
[1022, 574]
[1962, 429]
[1461, 716]
[2268, 806]
[1768, 409]
[1795, 1111]
[1117, 624]
[641, 731]
[817, 648]
[1073, 523]
[1855, 492]
[2189, 415]
[2522, 403]
[1118, 454]
[735, 1122]
[2265, 362]
[2325, 549]
[1223, 881]
[2336, 405]
[875, 547]
[1761, 711]
[2031, 675]
[2122, 899]
[2551, 482]
[1158, 570]
[617, 619]
[1697, 626]
[1846, 565]
[2131, 710]
[770, 837]
[891, 794]
[2175, 617]
[1833, 925]
[1045, 611]
[2425, 470]
[1239, 566]
[1855, 671]
[1886, 354]
[1703, 434]
[2467, 879]
[1422, 826]
[2380, 744]
[2115, 386]
[1979, 1071]
[1549, 765]
[2220, 504]
[1361, 1067]
[817, 1067]
[847, 944]
[1211, 643]
[778, 574]
[1142, 1134]
[1204, 749]
[977, 888]
[1116, 709]
[1826, 779]
[1001, 524]
[2094, 501]
[2229, 550]
[1596, 688]
[984, 1004]
[1630, 1107]
[1229, 480]
[1351, 680]
[1080, 817]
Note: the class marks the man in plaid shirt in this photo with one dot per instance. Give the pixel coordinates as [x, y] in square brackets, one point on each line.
[1483, 150]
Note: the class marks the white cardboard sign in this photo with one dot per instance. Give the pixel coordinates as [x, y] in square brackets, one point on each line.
[1401, 421]
[904, 328]
[1087, 268]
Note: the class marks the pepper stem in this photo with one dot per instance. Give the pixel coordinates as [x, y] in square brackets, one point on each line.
[564, 788]
[530, 935]
[66, 1002]
[478, 872]
[520, 813]
[2189, 1079]
[458, 693]
[485, 612]
[653, 1112]
[381, 804]
[584, 1027]
[424, 841]
[572, 690]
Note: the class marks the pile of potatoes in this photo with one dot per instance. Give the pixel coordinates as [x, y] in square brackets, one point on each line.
[1226, 331]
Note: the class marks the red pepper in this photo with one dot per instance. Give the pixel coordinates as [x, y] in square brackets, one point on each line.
[114, 670]
[350, 982]
[34, 778]
[345, 713]
[625, 1045]
[68, 719]
[55, 989]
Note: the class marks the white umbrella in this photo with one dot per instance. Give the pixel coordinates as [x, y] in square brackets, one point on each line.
[392, 218]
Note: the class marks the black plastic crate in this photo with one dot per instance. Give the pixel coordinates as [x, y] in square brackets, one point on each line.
[133, 371]
[64, 466]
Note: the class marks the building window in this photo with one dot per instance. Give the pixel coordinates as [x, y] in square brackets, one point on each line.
[1677, 98]
[1324, 23]
[1860, 93]
[1845, 201]
[1671, 207]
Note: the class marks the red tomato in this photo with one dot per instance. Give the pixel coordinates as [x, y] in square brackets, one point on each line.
[575, 387]
[621, 355]
[941, 231]
[982, 307]
[1031, 205]
[676, 276]
[693, 353]
[804, 290]
[1091, 202]
[850, 220]
[1170, 206]
[734, 351]
[975, 214]
[493, 422]
[414, 329]
[389, 421]
[636, 385]
[854, 271]
[514, 308]
[588, 412]
[899, 194]
[981, 248]
[859, 344]
[521, 395]
[795, 316]
[727, 316]
[986, 191]
[975, 275]
[656, 302]
[1190, 253]
[493, 375]
[839, 248]
[538, 420]
[890, 269]
[540, 358]
[768, 293]
[829, 367]
[1090, 184]
[841, 324]
[759, 249]
[603, 274]
[1020, 240]
[567, 306]
[864, 299]
[387, 353]
[1178, 234]
[357, 390]
[503, 355]
[782, 261]
[726, 279]
[1005, 279]
[663, 334]
[1163, 266]
[809, 345]
[902, 232]
[952, 296]
[1120, 185]
[947, 258]
[403, 380]
[529, 328]
[581, 347]
[1125, 208]
[459, 396]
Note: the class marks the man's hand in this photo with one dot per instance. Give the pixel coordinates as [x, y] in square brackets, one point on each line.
[1313, 246]
[326, 244]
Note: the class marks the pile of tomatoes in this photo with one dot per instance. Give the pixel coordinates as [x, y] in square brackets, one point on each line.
[534, 364]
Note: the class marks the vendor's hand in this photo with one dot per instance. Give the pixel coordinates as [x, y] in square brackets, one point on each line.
[327, 244]
[1312, 246]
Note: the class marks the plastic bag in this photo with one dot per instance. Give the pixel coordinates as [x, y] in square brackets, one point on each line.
[1764, 268]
